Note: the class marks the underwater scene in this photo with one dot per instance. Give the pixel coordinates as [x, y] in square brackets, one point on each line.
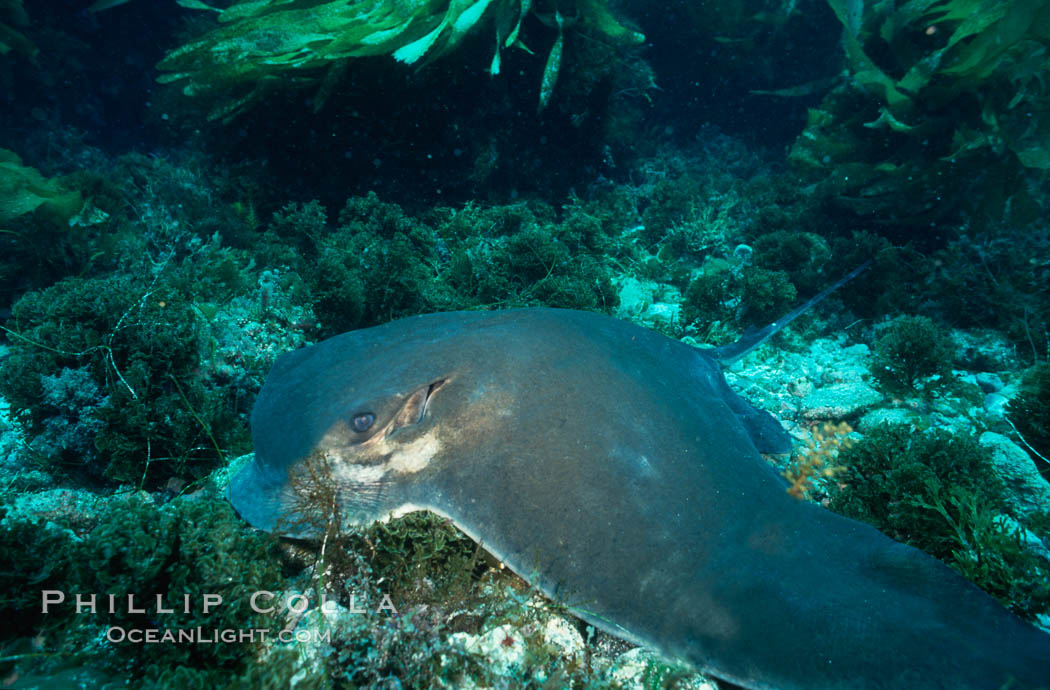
[525, 344]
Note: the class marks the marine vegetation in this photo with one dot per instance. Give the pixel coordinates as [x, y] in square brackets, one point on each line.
[268, 45]
[731, 292]
[24, 190]
[938, 492]
[191, 546]
[12, 14]
[144, 374]
[943, 96]
[380, 263]
[997, 278]
[912, 350]
[107, 375]
[816, 464]
[1030, 411]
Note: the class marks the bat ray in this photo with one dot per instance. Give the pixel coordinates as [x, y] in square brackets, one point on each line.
[614, 468]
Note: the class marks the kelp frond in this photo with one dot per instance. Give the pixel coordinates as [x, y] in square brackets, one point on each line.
[12, 14]
[266, 45]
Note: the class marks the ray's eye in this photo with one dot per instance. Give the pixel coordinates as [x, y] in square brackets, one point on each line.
[362, 422]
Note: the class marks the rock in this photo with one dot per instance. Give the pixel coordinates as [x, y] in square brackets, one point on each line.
[312, 625]
[73, 508]
[502, 647]
[840, 401]
[636, 296]
[639, 669]
[661, 314]
[785, 383]
[986, 350]
[563, 636]
[989, 382]
[995, 404]
[952, 422]
[1027, 490]
[648, 303]
[505, 648]
[891, 416]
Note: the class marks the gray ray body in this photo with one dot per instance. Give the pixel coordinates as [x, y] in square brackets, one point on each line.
[614, 468]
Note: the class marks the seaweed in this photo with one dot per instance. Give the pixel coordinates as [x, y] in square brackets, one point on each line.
[262, 47]
[13, 14]
[138, 347]
[380, 263]
[737, 295]
[24, 190]
[943, 97]
[910, 351]
[180, 552]
[938, 492]
[1029, 412]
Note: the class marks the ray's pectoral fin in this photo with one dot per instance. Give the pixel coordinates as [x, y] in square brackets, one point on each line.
[259, 495]
[763, 428]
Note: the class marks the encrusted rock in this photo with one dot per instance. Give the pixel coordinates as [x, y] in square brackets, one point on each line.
[639, 669]
[840, 401]
[989, 382]
[887, 415]
[1027, 490]
[651, 304]
[995, 404]
[984, 350]
[563, 636]
[505, 648]
[73, 508]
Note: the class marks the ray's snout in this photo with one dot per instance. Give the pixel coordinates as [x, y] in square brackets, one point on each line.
[256, 496]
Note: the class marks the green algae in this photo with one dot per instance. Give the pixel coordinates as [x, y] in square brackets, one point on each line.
[937, 492]
[939, 93]
[139, 344]
[912, 350]
[737, 295]
[379, 263]
[13, 14]
[192, 546]
[1030, 410]
[24, 190]
[266, 45]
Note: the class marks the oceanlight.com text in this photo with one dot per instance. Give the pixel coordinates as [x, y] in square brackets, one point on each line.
[199, 635]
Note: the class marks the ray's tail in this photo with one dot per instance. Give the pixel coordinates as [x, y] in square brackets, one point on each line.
[727, 354]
